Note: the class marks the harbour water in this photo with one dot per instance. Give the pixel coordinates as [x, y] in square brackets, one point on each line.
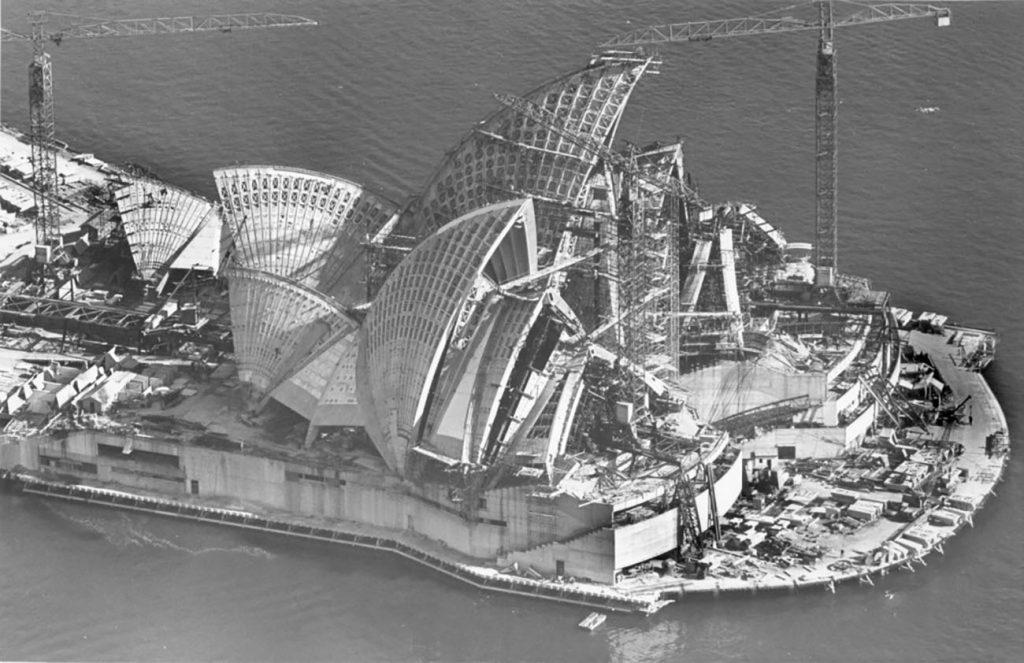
[931, 209]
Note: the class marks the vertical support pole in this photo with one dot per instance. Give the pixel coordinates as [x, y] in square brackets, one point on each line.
[826, 236]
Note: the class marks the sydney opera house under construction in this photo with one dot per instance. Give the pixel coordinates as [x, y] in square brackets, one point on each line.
[557, 370]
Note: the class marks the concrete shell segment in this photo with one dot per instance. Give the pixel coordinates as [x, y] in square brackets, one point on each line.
[419, 345]
[278, 324]
[161, 222]
[298, 265]
[509, 155]
[301, 225]
[323, 388]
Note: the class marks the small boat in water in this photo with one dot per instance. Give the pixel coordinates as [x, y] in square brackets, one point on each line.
[593, 620]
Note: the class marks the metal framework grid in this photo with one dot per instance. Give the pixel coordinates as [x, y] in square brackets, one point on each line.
[403, 339]
[277, 324]
[44, 157]
[159, 222]
[302, 225]
[509, 155]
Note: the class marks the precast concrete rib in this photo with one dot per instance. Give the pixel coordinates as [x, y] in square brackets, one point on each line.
[159, 221]
[302, 225]
[277, 324]
[405, 337]
[695, 275]
[732, 296]
[509, 152]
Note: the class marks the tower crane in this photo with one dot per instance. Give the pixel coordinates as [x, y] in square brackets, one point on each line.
[826, 226]
[40, 87]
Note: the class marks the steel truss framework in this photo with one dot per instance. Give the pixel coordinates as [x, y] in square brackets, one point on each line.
[100, 323]
[43, 136]
[707, 30]
[648, 235]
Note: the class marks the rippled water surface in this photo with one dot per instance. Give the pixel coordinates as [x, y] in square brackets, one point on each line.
[930, 207]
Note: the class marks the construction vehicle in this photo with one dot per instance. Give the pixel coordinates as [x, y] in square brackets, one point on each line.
[952, 414]
[41, 117]
[826, 104]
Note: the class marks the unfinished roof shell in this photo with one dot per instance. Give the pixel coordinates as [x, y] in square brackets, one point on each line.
[421, 353]
[301, 225]
[323, 388]
[278, 325]
[163, 223]
[510, 155]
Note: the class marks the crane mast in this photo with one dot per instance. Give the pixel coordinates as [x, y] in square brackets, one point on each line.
[826, 224]
[826, 230]
[42, 127]
[42, 134]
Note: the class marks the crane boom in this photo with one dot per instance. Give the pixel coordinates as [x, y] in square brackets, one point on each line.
[10, 35]
[738, 27]
[41, 119]
[131, 27]
[826, 245]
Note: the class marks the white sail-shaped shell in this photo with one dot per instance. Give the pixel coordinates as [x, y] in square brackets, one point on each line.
[304, 226]
[402, 369]
[161, 222]
[278, 324]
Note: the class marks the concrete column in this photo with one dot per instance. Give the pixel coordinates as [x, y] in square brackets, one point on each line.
[311, 434]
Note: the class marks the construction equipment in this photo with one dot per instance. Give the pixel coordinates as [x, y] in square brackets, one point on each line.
[826, 235]
[42, 129]
[952, 414]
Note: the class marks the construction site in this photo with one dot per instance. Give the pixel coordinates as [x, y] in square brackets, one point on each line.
[555, 371]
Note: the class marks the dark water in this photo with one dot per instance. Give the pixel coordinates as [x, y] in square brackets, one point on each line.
[931, 208]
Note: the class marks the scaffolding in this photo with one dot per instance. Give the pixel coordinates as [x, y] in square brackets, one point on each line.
[650, 236]
[634, 276]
